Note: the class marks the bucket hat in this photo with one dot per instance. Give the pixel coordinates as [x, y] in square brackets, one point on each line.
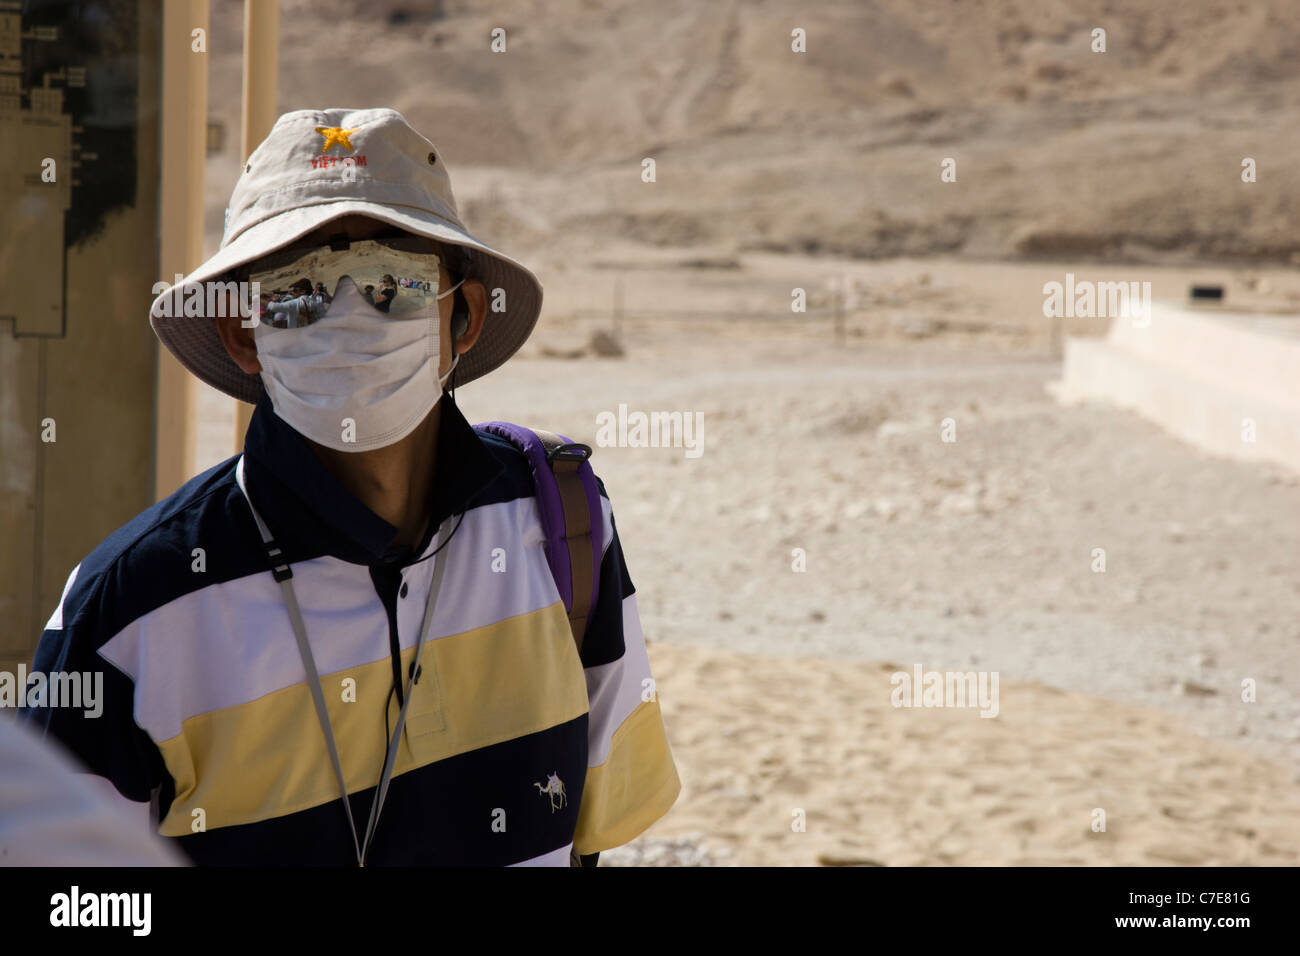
[319, 165]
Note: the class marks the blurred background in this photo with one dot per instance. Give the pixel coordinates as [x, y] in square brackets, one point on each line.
[943, 458]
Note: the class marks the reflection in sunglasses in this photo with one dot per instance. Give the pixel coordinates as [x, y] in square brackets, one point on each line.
[396, 277]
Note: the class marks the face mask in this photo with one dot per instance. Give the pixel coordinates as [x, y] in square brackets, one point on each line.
[356, 379]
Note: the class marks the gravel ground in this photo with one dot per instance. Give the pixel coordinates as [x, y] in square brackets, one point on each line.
[659, 851]
[972, 554]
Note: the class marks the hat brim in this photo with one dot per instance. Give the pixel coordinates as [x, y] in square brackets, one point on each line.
[196, 345]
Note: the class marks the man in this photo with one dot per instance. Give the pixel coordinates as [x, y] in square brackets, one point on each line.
[295, 311]
[346, 645]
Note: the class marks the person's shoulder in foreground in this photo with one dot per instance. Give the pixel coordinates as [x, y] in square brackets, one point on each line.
[52, 813]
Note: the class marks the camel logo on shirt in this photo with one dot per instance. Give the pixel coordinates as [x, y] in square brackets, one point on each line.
[555, 790]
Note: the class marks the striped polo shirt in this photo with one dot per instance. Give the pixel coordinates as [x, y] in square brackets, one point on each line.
[514, 751]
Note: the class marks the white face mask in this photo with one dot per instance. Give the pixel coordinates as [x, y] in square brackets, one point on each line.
[356, 379]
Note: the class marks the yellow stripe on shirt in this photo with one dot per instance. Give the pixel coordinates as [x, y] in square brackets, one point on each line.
[267, 758]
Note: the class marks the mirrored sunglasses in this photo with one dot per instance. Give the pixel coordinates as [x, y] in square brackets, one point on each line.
[399, 277]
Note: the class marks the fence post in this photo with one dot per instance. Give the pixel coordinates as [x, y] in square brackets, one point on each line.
[618, 309]
[839, 296]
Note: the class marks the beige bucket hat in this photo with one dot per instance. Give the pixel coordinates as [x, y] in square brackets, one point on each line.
[318, 165]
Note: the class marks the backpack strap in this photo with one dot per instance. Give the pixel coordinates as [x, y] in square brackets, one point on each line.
[568, 500]
[581, 528]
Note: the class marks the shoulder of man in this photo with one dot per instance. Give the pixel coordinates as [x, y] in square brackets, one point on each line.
[517, 481]
[190, 540]
[165, 551]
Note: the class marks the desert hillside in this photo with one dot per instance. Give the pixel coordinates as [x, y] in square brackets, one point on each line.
[1129, 155]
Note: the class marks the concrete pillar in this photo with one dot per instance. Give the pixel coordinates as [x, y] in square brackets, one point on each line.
[261, 74]
[180, 230]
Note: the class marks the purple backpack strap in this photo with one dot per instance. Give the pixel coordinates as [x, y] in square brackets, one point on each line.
[568, 500]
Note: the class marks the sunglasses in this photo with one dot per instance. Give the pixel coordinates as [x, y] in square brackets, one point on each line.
[398, 277]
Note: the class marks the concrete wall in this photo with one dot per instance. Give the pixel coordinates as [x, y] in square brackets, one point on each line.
[1202, 375]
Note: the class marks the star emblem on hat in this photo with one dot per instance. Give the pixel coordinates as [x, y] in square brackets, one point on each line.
[336, 136]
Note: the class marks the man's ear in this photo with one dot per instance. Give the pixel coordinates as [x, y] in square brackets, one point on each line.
[239, 342]
[476, 298]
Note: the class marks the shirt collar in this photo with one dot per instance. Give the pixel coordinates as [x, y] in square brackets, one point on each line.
[310, 513]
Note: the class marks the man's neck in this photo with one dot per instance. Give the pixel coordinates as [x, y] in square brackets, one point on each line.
[396, 481]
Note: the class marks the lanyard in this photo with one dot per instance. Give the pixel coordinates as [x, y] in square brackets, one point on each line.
[280, 570]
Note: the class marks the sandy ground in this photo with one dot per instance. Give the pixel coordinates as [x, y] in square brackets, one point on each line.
[757, 739]
[1119, 690]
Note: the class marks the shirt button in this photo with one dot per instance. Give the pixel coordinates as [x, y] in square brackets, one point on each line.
[404, 589]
